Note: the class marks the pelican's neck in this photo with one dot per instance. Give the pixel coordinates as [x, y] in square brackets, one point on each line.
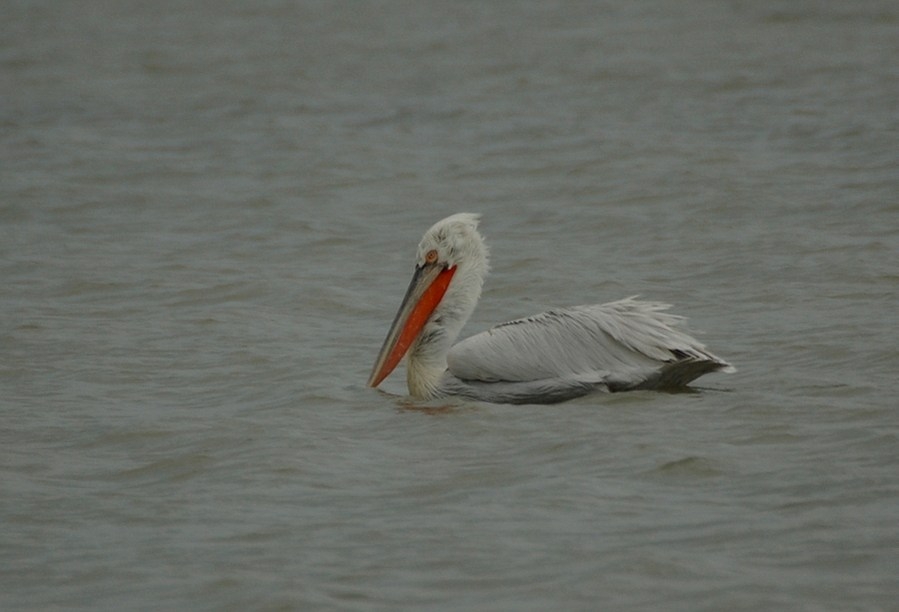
[426, 361]
[424, 373]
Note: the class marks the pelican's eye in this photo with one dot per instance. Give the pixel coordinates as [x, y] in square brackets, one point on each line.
[431, 257]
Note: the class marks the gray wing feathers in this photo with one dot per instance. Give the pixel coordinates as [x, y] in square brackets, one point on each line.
[628, 343]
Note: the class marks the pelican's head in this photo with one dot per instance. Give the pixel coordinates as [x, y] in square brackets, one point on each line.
[450, 268]
[454, 241]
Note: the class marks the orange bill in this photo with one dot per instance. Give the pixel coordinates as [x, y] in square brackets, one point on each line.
[429, 284]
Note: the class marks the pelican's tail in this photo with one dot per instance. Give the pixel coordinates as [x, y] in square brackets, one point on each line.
[679, 374]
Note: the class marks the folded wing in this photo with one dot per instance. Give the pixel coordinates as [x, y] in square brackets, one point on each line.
[624, 344]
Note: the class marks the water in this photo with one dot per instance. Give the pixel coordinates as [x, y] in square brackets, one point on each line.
[209, 212]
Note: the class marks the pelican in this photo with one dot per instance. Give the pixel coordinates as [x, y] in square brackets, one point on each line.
[546, 358]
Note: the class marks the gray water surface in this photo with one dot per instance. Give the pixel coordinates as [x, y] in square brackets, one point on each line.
[209, 213]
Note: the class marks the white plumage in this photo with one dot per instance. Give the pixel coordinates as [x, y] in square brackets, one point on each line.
[549, 357]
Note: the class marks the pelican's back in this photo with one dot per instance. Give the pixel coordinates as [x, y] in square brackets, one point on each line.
[626, 344]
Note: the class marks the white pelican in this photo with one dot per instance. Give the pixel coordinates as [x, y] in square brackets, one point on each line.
[550, 357]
